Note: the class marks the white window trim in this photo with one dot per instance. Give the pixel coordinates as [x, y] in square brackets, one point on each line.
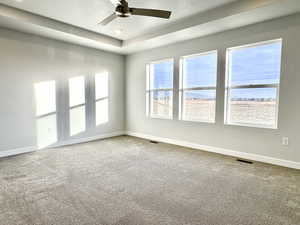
[182, 90]
[149, 90]
[228, 87]
[255, 44]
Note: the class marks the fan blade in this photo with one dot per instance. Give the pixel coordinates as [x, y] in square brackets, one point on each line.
[150, 12]
[108, 19]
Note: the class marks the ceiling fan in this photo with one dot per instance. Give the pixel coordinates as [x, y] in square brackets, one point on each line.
[123, 10]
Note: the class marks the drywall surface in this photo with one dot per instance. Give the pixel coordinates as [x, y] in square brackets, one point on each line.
[266, 142]
[26, 60]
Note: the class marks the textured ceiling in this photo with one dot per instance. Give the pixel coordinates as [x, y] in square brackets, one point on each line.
[75, 21]
[87, 13]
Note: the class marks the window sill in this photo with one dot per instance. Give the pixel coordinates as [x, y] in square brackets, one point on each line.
[251, 125]
[160, 117]
[198, 121]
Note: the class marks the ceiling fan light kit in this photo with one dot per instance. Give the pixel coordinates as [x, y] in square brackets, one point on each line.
[123, 10]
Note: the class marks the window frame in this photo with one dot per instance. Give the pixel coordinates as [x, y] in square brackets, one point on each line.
[149, 90]
[229, 87]
[181, 89]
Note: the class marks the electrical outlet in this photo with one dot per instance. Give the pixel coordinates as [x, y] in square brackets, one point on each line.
[285, 141]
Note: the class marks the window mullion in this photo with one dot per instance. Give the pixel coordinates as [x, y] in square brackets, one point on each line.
[99, 99]
[76, 106]
[157, 103]
[253, 86]
[198, 89]
[161, 89]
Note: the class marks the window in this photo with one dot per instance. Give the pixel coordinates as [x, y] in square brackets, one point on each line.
[198, 87]
[77, 105]
[45, 99]
[159, 93]
[101, 98]
[252, 89]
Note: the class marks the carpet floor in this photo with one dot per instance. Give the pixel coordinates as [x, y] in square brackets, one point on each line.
[130, 181]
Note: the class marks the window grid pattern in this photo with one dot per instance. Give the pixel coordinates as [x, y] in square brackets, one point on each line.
[158, 96]
[209, 115]
[230, 88]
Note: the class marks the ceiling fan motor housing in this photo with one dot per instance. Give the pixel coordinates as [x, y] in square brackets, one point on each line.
[123, 10]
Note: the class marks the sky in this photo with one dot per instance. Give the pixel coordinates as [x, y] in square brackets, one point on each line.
[254, 65]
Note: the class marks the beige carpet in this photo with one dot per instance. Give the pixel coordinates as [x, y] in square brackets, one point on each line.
[129, 181]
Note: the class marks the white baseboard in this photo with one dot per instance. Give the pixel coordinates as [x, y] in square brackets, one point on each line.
[244, 155]
[18, 151]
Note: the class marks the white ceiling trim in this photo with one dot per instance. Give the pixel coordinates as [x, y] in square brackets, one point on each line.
[203, 18]
[229, 16]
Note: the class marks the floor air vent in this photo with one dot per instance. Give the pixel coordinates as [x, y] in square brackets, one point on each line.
[154, 142]
[244, 161]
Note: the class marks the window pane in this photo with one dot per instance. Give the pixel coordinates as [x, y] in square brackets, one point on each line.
[77, 120]
[161, 104]
[101, 111]
[76, 91]
[46, 131]
[45, 97]
[255, 65]
[253, 106]
[199, 105]
[101, 85]
[161, 75]
[200, 70]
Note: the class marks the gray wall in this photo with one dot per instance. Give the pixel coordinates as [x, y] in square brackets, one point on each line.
[27, 59]
[245, 139]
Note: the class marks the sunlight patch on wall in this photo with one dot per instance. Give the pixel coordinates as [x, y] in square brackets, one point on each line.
[46, 131]
[77, 105]
[102, 98]
[77, 120]
[76, 91]
[46, 121]
[45, 97]
[101, 112]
